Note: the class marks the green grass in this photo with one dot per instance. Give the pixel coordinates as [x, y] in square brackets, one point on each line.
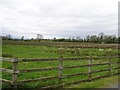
[29, 51]
[108, 82]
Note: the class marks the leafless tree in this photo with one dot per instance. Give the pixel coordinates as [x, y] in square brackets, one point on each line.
[9, 36]
[39, 37]
[22, 38]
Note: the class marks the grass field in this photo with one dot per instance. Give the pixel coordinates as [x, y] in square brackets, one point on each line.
[100, 83]
[25, 51]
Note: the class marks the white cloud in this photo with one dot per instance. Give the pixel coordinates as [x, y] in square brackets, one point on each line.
[58, 18]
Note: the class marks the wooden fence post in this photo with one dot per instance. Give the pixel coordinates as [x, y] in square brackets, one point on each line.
[15, 72]
[60, 60]
[89, 70]
[110, 62]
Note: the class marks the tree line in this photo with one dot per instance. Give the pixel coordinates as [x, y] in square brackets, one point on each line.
[39, 37]
[100, 38]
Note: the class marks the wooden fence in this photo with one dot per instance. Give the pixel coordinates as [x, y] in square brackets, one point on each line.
[14, 71]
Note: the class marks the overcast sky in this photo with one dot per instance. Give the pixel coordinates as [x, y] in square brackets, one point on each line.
[58, 18]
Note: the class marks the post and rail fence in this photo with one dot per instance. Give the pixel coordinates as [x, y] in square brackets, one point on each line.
[15, 71]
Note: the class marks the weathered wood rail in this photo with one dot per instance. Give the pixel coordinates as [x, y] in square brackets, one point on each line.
[14, 71]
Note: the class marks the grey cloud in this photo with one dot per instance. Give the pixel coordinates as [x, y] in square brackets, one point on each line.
[60, 18]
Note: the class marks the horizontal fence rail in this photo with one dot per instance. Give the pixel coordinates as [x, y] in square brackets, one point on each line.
[85, 46]
[38, 79]
[6, 81]
[39, 69]
[52, 59]
[6, 70]
[15, 71]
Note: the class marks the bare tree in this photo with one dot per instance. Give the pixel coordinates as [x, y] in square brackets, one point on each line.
[101, 35]
[22, 38]
[8, 36]
[39, 37]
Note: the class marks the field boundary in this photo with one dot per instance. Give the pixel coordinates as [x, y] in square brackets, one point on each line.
[14, 71]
